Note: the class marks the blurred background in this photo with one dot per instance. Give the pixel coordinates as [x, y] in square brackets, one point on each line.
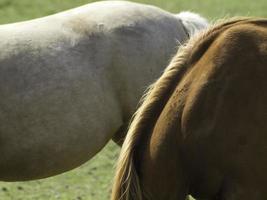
[92, 181]
[18, 10]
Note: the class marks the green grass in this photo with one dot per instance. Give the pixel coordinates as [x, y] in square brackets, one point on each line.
[92, 181]
[17, 10]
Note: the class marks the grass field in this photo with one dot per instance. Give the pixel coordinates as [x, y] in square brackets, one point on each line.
[92, 181]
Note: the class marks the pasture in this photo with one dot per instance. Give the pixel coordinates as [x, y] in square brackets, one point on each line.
[92, 181]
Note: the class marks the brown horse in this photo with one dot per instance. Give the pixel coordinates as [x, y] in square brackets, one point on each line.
[202, 127]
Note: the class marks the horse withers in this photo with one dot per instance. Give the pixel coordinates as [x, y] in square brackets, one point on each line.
[201, 128]
[69, 81]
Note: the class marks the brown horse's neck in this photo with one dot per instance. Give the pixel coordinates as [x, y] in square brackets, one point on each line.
[159, 162]
[150, 163]
[159, 154]
[156, 154]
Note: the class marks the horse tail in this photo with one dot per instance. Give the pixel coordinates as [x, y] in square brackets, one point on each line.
[192, 22]
[127, 184]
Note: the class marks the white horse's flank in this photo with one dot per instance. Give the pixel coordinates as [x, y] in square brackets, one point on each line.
[70, 80]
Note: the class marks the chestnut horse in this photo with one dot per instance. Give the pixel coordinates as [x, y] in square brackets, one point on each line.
[69, 81]
[202, 127]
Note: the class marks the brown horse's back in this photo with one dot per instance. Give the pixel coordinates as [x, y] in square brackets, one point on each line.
[209, 137]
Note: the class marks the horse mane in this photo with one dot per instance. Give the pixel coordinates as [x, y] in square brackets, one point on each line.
[126, 182]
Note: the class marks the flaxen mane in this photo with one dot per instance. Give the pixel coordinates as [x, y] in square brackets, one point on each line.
[126, 183]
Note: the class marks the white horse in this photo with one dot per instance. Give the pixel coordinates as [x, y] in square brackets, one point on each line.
[69, 81]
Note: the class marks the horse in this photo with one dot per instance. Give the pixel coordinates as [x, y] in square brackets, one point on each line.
[69, 81]
[201, 128]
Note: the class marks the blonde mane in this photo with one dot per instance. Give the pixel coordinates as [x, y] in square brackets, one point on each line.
[126, 182]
